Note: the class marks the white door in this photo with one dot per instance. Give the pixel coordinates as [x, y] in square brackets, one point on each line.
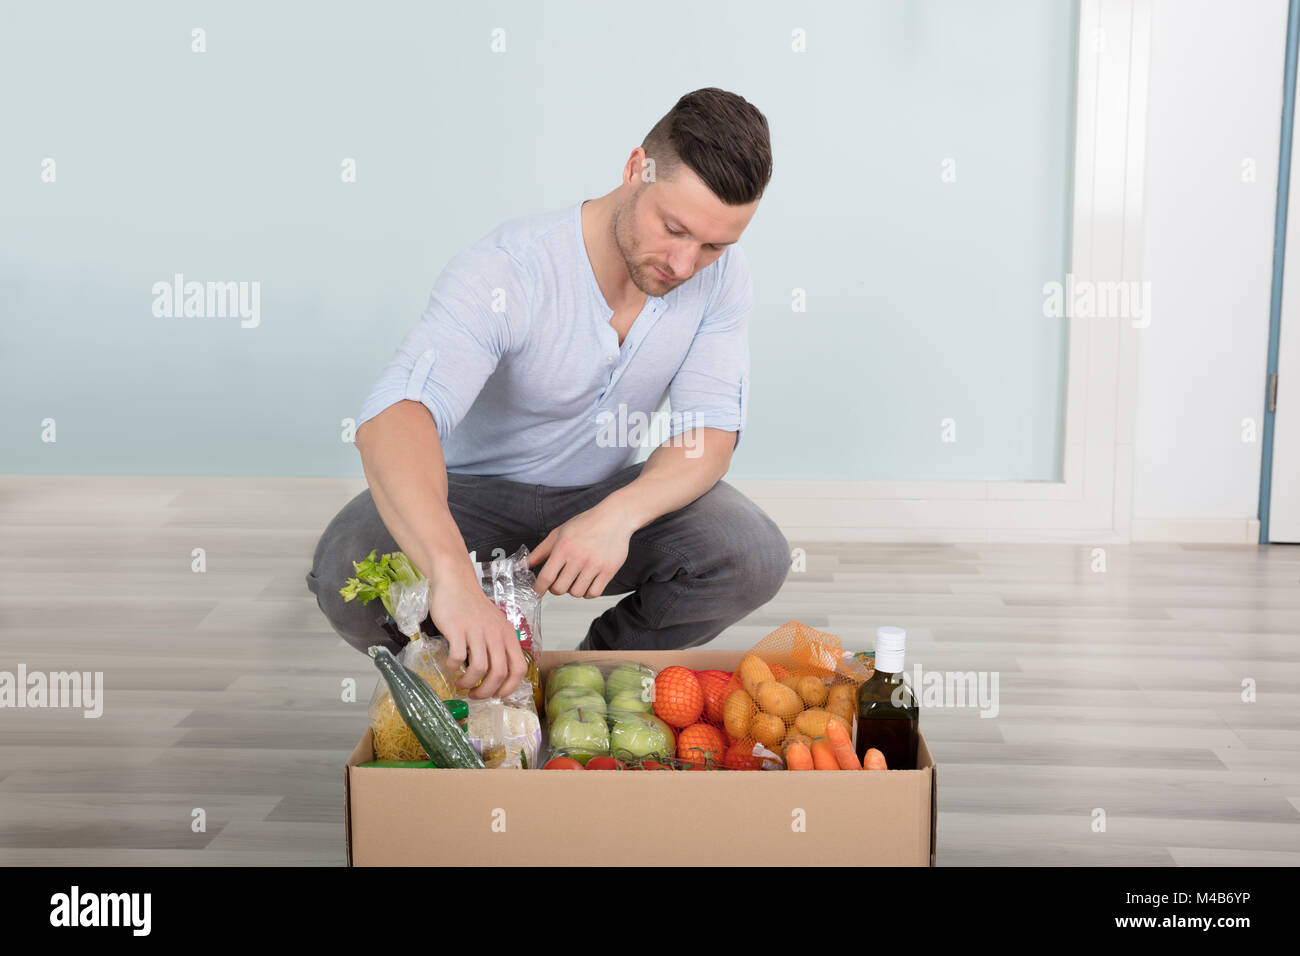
[1284, 492]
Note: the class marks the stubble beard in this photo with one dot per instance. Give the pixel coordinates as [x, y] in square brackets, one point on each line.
[621, 228]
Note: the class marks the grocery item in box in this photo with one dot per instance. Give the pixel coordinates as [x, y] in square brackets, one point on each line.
[427, 715]
[506, 731]
[509, 583]
[785, 692]
[404, 592]
[604, 708]
[393, 739]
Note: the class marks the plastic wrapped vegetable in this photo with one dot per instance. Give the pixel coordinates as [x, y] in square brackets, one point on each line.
[375, 579]
[426, 714]
[393, 739]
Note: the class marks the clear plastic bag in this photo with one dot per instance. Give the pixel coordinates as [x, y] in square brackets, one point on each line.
[509, 583]
[393, 739]
[605, 708]
[523, 738]
[510, 727]
[507, 732]
[410, 601]
[487, 730]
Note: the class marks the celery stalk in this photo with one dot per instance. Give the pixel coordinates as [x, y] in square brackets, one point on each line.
[374, 577]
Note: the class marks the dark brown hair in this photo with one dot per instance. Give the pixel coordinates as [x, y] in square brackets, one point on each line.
[719, 136]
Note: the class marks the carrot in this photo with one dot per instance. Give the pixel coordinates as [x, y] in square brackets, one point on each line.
[823, 756]
[798, 757]
[873, 759]
[842, 746]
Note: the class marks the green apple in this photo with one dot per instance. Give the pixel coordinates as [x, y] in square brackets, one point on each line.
[581, 734]
[575, 675]
[571, 698]
[630, 679]
[641, 737]
[630, 702]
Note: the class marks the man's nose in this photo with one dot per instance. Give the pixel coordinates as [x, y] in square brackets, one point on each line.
[683, 263]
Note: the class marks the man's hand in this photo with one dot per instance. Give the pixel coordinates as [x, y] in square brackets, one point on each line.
[583, 554]
[479, 636]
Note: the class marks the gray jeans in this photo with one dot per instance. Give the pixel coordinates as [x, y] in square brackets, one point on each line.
[689, 574]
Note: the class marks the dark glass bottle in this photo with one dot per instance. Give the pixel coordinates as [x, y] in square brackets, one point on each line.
[888, 713]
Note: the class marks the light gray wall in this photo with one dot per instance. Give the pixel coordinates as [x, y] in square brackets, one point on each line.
[924, 296]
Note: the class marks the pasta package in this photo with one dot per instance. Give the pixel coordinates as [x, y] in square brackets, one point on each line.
[393, 739]
[506, 732]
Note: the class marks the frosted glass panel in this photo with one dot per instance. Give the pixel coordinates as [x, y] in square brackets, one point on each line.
[920, 202]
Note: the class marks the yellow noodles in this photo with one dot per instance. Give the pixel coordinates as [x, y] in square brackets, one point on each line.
[393, 739]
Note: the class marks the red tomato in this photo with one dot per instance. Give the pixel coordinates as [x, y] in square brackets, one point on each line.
[604, 763]
[740, 756]
[562, 763]
[714, 684]
[679, 698]
[701, 744]
[649, 765]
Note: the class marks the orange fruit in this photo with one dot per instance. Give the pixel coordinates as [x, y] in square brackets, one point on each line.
[679, 698]
[715, 685]
[701, 744]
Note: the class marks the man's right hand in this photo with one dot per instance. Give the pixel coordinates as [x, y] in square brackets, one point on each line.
[401, 453]
[478, 634]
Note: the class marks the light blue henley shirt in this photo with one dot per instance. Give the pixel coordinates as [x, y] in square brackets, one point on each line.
[516, 360]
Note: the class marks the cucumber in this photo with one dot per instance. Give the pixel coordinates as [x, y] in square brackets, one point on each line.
[426, 715]
[460, 752]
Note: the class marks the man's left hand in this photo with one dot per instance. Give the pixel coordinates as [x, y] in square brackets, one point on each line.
[583, 554]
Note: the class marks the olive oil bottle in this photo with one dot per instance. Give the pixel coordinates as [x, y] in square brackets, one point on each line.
[888, 712]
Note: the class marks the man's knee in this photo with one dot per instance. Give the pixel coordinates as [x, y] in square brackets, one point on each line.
[767, 559]
[755, 548]
[353, 533]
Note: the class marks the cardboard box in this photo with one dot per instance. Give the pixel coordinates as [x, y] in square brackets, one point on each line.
[406, 817]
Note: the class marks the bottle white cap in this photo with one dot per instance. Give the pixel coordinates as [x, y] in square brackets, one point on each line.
[890, 644]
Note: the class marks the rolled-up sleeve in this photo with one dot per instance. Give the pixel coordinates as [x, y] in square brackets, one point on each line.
[478, 308]
[711, 388]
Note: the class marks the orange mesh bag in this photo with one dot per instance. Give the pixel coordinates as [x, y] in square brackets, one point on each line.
[786, 689]
[683, 699]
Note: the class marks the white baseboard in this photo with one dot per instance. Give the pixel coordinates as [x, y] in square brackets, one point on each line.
[976, 511]
[1198, 530]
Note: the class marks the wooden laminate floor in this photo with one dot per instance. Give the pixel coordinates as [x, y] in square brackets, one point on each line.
[1119, 690]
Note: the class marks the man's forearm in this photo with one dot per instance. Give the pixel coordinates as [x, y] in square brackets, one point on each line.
[674, 476]
[401, 453]
[404, 466]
